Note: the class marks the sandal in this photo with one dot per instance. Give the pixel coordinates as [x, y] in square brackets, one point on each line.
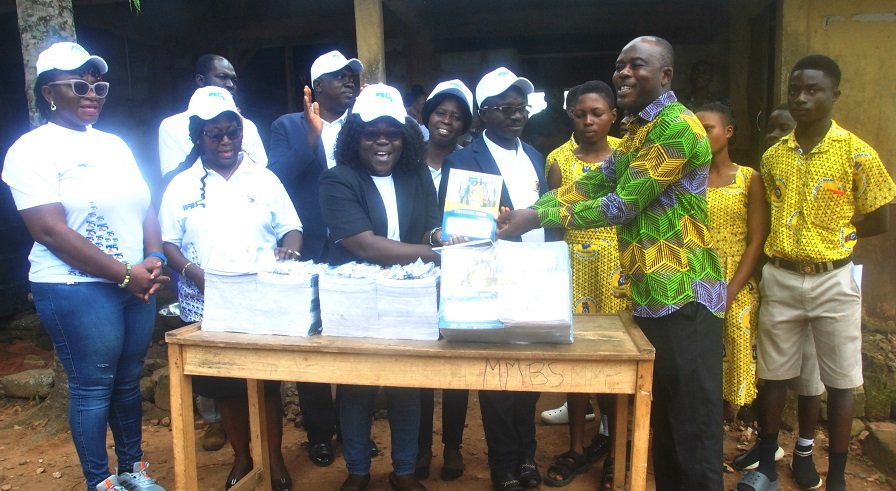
[566, 466]
[757, 481]
[607, 474]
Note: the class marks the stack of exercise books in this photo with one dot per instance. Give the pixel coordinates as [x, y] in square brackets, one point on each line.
[406, 302]
[363, 300]
[281, 298]
[506, 292]
[348, 299]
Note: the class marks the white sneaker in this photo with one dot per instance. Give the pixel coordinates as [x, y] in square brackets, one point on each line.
[560, 416]
[110, 484]
[139, 480]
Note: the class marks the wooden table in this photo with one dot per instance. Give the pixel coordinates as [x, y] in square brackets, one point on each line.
[610, 355]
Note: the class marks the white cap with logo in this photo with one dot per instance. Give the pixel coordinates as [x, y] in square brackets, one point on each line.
[333, 62]
[379, 100]
[455, 87]
[499, 80]
[67, 56]
[210, 101]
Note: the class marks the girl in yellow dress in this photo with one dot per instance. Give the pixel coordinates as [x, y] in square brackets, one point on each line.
[738, 213]
[594, 257]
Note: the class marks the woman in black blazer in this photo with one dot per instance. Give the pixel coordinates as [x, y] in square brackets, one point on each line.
[380, 207]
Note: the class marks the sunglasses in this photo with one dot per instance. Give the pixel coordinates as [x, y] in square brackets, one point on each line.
[82, 88]
[372, 134]
[510, 111]
[231, 134]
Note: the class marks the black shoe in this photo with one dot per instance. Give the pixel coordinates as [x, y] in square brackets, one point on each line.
[529, 477]
[600, 446]
[282, 484]
[424, 458]
[321, 453]
[506, 482]
[803, 468]
[236, 475]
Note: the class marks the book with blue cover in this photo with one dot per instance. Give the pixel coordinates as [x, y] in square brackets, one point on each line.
[471, 205]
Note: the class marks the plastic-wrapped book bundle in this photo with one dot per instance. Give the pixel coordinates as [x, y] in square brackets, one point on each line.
[363, 300]
[406, 301]
[348, 298]
[511, 292]
[282, 298]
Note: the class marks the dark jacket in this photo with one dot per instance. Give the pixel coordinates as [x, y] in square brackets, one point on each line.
[299, 170]
[477, 158]
[351, 204]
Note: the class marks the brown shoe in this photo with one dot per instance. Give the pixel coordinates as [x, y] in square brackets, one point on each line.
[407, 482]
[355, 482]
[214, 437]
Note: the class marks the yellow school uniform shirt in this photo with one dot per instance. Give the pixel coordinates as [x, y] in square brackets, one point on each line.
[593, 252]
[814, 195]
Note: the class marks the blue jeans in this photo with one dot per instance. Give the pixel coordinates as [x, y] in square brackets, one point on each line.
[355, 414]
[101, 334]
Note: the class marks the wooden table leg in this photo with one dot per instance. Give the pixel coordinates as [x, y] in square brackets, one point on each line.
[182, 426]
[620, 441]
[258, 433]
[641, 425]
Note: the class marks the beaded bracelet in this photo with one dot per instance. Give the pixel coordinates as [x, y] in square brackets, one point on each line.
[127, 276]
[183, 272]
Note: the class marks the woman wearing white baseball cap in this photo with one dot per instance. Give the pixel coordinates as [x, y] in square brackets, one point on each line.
[447, 114]
[214, 211]
[96, 261]
[380, 207]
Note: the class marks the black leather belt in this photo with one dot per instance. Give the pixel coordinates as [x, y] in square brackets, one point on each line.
[810, 268]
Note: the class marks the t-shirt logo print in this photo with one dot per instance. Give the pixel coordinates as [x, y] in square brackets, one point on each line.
[100, 235]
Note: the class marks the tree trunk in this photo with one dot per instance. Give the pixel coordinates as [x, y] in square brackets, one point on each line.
[41, 23]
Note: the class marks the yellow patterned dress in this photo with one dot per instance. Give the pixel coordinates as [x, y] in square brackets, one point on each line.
[593, 253]
[727, 208]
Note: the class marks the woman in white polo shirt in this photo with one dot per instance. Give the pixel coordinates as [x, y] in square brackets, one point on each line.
[96, 260]
[219, 214]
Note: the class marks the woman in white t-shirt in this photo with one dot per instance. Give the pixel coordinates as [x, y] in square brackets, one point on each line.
[96, 260]
[221, 214]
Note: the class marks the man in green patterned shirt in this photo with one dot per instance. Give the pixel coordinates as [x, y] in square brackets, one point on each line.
[653, 188]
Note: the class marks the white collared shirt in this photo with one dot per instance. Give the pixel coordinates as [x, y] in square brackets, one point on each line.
[520, 178]
[328, 138]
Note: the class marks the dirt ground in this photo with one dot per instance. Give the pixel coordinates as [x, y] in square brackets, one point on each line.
[32, 459]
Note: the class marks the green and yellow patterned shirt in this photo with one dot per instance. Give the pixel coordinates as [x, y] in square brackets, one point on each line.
[653, 188]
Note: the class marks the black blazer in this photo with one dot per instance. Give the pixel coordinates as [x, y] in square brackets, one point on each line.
[477, 158]
[351, 204]
[299, 169]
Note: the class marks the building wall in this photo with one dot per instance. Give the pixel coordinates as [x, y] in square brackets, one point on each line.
[859, 35]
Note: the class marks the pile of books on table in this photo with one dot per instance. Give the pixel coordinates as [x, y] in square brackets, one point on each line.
[509, 292]
[282, 298]
[363, 300]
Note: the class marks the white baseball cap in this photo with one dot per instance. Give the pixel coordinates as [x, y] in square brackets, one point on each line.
[210, 101]
[379, 100]
[499, 80]
[333, 62]
[67, 56]
[455, 87]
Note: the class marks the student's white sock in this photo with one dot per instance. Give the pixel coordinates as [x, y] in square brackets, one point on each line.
[804, 442]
